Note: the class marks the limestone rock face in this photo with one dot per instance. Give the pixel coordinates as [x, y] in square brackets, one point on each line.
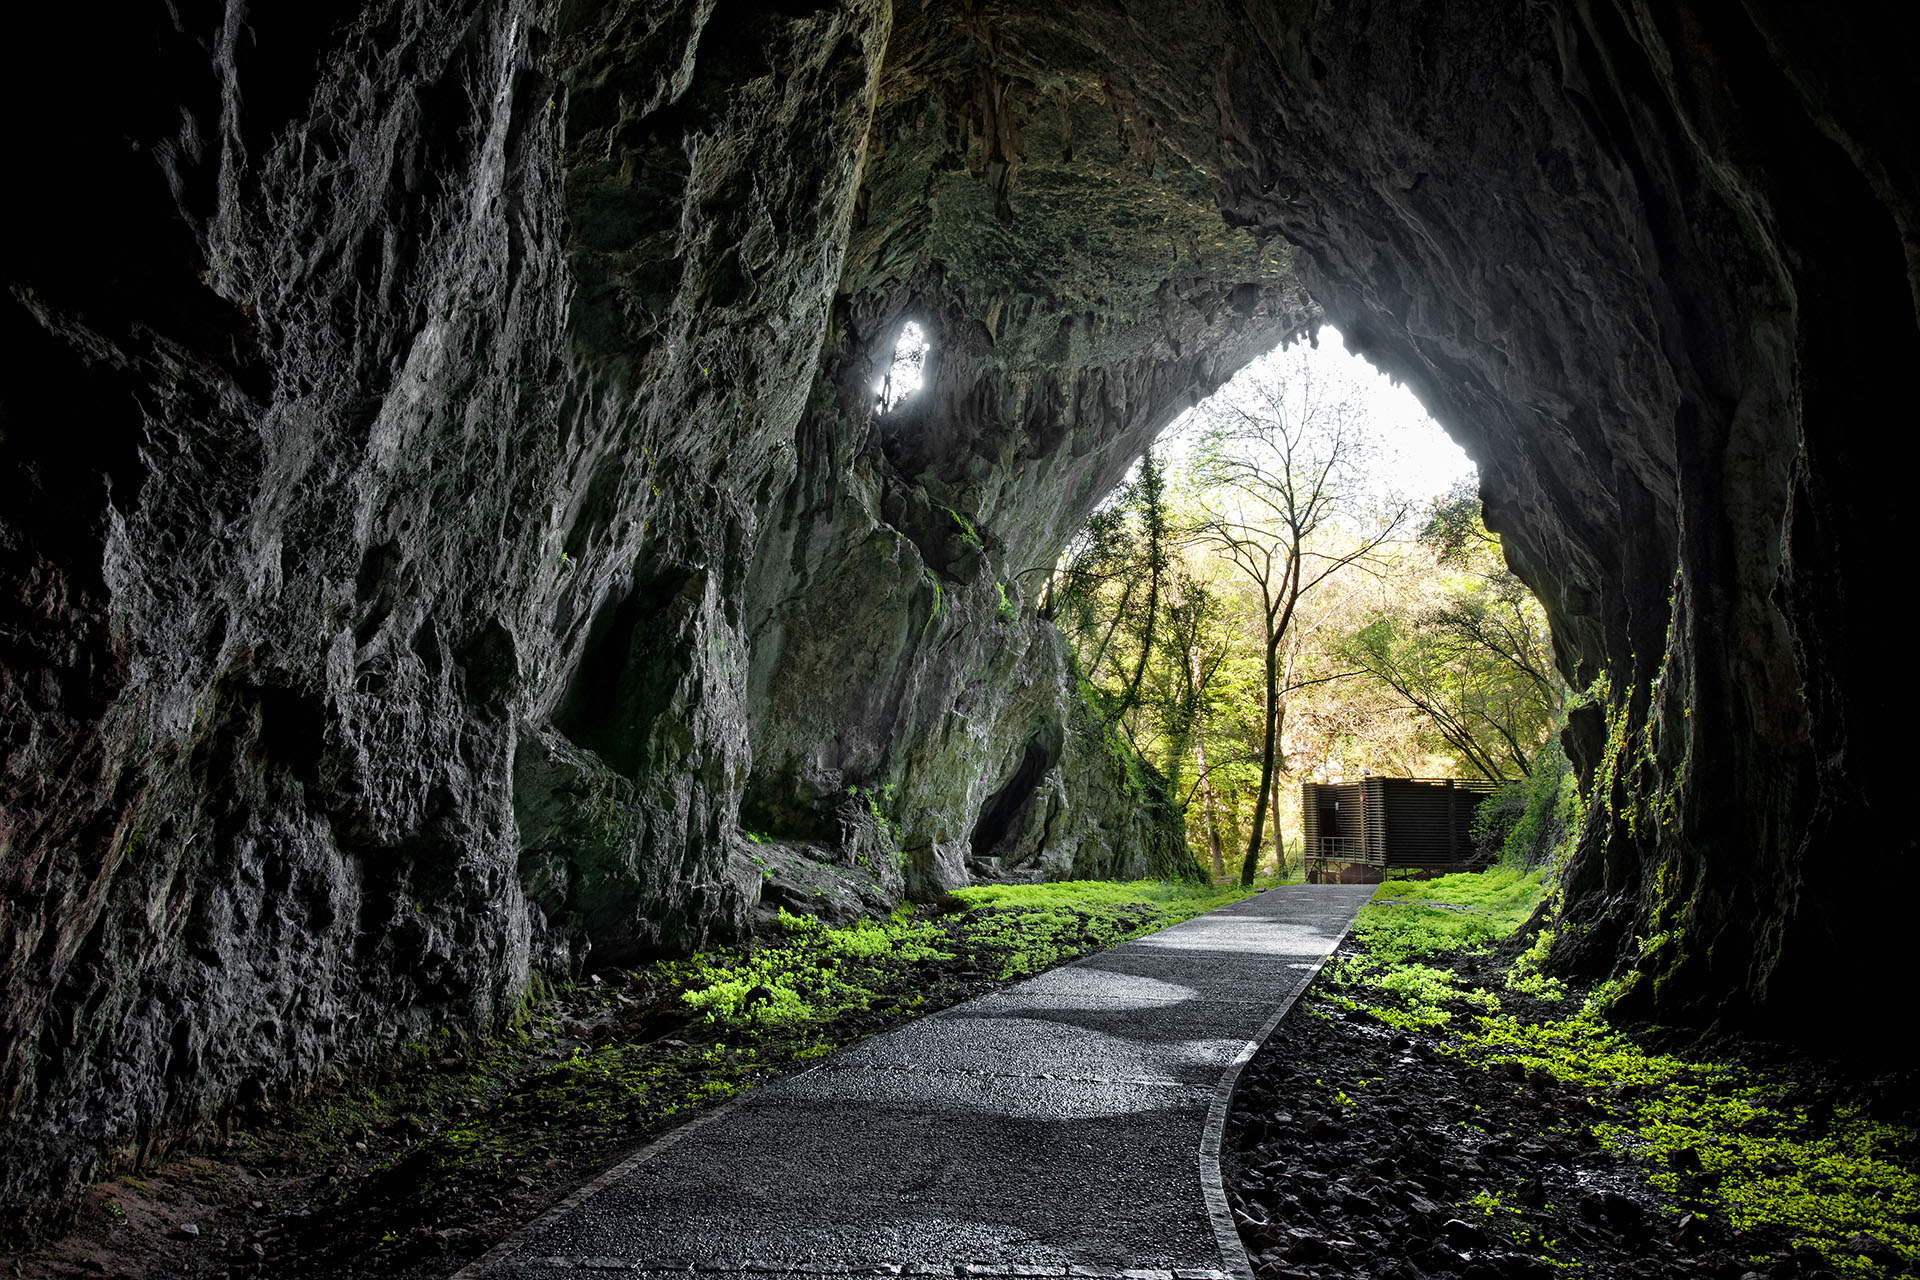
[1656, 269]
[449, 531]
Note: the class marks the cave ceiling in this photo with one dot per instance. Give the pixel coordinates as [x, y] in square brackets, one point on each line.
[446, 497]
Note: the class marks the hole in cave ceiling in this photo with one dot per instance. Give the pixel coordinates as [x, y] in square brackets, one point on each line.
[905, 373]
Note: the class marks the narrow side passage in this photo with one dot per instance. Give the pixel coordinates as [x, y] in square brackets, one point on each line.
[1054, 1125]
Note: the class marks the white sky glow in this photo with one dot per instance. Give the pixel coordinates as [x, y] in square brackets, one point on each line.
[1418, 460]
[905, 373]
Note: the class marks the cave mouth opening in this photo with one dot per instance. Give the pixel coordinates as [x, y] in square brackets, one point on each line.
[1414, 459]
[906, 371]
[1005, 805]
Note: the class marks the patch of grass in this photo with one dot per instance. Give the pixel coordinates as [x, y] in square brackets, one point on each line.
[807, 974]
[1410, 918]
[1024, 928]
[1728, 1141]
[1726, 1138]
[1172, 900]
[1407, 920]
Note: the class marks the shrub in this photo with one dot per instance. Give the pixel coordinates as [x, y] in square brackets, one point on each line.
[1526, 822]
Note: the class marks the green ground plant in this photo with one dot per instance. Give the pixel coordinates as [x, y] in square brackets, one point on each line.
[1770, 1162]
[1409, 920]
[1717, 1137]
[1028, 928]
[588, 1068]
[806, 974]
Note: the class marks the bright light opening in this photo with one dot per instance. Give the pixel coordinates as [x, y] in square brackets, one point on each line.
[1417, 459]
[904, 375]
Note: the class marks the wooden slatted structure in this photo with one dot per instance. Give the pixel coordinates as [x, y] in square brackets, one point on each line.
[1358, 831]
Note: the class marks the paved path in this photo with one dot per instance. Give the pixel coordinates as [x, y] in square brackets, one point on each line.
[1054, 1125]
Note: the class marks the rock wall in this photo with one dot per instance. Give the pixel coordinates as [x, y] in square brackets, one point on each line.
[451, 534]
[1655, 267]
[448, 511]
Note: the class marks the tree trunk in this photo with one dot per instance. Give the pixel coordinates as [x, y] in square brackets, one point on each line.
[1252, 861]
[1154, 517]
[1100, 654]
[1279, 772]
[1207, 804]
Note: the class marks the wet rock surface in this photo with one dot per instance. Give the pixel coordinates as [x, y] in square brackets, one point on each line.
[1356, 1149]
[1596, 240]
[452, 512]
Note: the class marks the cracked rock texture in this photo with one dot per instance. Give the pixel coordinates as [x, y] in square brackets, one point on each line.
[1656, 268]
[447, 506]
[447, 509]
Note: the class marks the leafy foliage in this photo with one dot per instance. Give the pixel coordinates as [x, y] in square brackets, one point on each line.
[1470, 655]
[1529, 820]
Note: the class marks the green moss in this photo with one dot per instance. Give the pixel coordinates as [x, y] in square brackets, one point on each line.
[968, 534]
[1721, 1136]
[1765, 1162]
[1525, 975]
[938, 609]
[877, 801]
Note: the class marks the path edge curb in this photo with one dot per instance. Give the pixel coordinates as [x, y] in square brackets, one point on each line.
[500, 1252]
[1233, 1254]
[1226, 1235]
[505, 1248]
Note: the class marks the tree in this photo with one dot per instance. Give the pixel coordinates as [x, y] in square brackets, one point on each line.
[1194, 648]
[1470, 653]
[1124, 612]
[1149, 497]
[1283, 464]
[1124, 548]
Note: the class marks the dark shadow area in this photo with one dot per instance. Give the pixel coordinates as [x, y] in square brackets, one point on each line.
[997, 818]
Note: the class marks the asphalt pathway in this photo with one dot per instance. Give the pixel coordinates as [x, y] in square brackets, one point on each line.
[1058, 1127]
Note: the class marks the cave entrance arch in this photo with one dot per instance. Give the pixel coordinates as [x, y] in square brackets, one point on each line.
[1000, 815]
